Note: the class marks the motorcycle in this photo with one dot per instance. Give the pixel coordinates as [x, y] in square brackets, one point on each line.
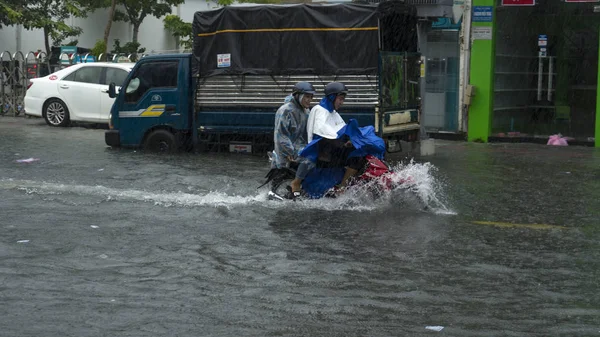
[376, 176]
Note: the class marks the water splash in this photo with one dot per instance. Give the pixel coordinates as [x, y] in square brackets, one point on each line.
[420, 179]
[416, 188]
[167, 199]
[175, 199]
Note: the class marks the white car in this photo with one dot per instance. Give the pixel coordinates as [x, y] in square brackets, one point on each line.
[77, 93]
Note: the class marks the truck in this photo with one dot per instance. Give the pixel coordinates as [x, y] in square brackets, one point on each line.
[245, 60]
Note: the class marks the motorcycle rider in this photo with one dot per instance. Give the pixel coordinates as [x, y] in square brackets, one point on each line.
[324, 121]
[290, 135]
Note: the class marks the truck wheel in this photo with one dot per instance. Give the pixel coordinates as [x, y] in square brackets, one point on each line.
[55, 113]
[161, 141]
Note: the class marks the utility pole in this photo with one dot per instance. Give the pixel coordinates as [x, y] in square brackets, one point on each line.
[465, 60]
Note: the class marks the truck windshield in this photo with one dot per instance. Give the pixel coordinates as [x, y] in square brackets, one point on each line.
[159, 74]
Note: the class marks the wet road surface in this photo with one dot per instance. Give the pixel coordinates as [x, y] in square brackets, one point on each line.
[102, 242]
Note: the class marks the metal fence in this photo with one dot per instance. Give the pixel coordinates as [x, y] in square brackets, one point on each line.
[16, 69]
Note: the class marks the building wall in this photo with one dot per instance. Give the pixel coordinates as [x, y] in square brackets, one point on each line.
[152, 34]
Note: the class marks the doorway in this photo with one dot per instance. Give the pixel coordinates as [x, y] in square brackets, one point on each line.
[546, 70]
[441, 81]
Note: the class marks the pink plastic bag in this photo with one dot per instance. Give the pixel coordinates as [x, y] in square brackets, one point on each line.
[557, 140]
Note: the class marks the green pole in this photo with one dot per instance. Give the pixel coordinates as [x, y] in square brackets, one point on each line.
[482, 75]
[597, 133]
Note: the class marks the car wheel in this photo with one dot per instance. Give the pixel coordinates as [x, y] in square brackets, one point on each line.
[55, 113]
[161, 141]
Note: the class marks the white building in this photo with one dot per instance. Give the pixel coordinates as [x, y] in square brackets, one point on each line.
[152, 35]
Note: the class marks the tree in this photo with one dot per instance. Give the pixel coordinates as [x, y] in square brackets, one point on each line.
[10, 11]
[129, 48]
[99, 49]
[111, 5]
[48, 15]
[111, 16]
[180, 29]
[137, 10]
[92, 5]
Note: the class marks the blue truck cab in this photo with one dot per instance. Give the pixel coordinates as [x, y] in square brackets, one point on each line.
[152, 108]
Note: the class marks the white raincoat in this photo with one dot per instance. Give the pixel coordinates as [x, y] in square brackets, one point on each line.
[323, 123]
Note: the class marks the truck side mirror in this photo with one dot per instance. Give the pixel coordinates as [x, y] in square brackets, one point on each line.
[112, 91]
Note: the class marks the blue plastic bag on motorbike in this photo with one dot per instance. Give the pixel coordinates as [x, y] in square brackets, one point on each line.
[365, 142]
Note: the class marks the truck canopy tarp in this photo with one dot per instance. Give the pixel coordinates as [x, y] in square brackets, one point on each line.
[323, 39]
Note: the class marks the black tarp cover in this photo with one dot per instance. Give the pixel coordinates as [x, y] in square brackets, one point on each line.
[299, 39]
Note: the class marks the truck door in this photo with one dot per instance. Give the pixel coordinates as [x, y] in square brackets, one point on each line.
[156, 94]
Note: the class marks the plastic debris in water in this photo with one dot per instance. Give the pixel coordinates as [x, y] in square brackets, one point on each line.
[100, 170]
[557, 140]
[103, 256]
[94, 226]
[28, 160]
[435, 328]
[23, 241]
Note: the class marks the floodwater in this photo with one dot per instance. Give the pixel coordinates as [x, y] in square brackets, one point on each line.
[102, 242]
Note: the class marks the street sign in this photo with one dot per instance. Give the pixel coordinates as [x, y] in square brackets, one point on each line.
[481, 33]
[518, 2]
[482, 13]
[542, 40]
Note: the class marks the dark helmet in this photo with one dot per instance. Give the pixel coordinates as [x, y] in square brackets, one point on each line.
[304, 88]
[335, 88]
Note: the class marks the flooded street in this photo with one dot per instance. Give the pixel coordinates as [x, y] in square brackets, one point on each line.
[102, 242]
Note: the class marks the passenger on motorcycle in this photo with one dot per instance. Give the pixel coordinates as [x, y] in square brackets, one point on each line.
[290, 135]
[324, 121]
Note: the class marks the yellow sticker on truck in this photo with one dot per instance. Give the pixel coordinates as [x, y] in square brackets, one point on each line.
[152, 111]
